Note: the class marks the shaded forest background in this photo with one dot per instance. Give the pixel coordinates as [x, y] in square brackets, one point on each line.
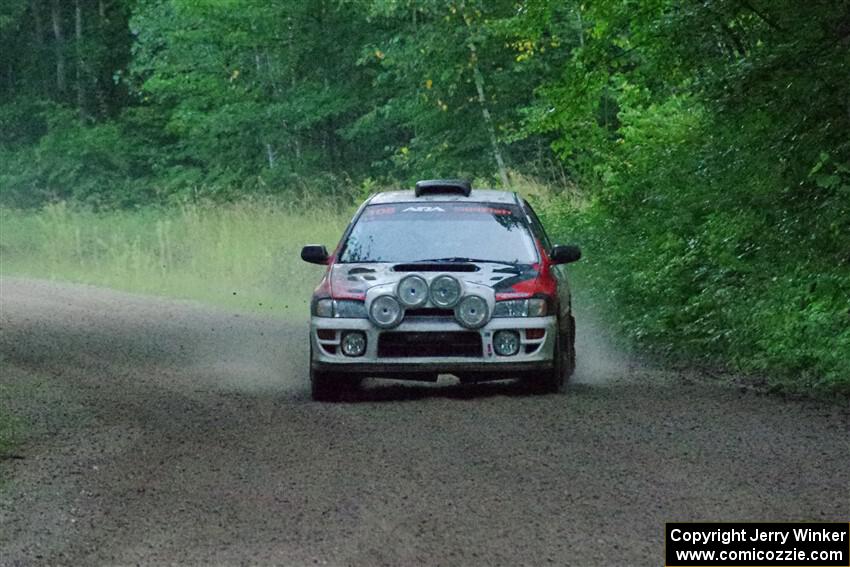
[699, 151]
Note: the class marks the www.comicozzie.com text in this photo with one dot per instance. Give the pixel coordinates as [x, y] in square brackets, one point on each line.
[727, 536]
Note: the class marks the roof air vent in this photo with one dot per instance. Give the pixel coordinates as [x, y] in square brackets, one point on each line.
[443, 187]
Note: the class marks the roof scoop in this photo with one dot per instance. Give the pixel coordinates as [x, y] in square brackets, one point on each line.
[443, 187]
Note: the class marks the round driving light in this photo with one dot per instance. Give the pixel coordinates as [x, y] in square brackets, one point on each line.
[413, 291]
[506, 343]
[353, 343]
[472, 312]
[386, 311]
[445, 291]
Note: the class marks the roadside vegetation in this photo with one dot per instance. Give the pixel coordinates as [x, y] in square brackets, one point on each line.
[698, 152]
[241, 255]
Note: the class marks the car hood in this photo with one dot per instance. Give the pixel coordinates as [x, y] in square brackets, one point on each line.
[354, 280]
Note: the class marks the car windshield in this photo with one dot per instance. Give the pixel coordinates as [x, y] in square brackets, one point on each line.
[446, 232]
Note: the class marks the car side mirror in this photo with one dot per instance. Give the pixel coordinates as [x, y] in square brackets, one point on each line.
[315, 254]
[565, 254]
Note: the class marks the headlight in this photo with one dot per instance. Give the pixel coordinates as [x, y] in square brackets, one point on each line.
[324, 308]
[386, 311]
[353, 343]
[349, 309]
[472, 312]
[506, 343]
[413, 291]
[340, 308]
[445, 291]
[520, 308]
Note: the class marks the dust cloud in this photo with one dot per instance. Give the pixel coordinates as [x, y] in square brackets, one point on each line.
[248, 354]
[252, 355]
[201, 349]
[598, 360]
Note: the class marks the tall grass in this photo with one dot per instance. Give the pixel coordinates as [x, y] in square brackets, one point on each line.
[242, 255]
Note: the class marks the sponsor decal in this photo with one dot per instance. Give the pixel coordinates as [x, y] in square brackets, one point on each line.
[423, 209]
[378, 211]
[485, 210]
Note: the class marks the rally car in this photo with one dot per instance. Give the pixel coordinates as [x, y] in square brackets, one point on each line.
[442, 280]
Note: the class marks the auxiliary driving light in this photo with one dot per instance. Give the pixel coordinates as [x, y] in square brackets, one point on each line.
[413, 291]
[472, 312]
[506, 343]
[386, 311]
[353, 343]
[445, 291]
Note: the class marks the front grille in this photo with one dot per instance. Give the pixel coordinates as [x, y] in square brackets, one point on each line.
[426, 344]
[429, 312]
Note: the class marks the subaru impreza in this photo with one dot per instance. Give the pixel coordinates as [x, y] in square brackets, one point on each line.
[444, 279]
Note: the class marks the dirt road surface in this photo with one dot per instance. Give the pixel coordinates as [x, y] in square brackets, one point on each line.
[169, 433]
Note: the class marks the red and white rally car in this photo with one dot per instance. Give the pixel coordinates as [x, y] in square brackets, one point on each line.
[442, 280]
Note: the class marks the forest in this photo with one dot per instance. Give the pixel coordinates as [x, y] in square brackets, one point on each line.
[698, 151]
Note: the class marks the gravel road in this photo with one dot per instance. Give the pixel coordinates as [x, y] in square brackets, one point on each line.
[164, 432]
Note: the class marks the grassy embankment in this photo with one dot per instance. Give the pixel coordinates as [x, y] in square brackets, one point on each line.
[241, 256]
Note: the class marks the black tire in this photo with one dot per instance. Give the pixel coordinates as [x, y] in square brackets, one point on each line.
[331, 386]
[570, 343]
[552, 381]
[324, 387]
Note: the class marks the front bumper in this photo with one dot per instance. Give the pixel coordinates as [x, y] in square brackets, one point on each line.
[535, 354]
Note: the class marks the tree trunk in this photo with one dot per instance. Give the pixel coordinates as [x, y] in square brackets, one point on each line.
[270, 155]
[38, 24]
[292, 64]
[59, 43]
[78, 49]
[99, 83]
[580, 28]
[488, 120]
[35, 6]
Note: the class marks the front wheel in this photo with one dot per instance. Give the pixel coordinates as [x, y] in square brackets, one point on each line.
[570, 344]
[564, 362]
[331, 386]
[324, 387]
[550, 381]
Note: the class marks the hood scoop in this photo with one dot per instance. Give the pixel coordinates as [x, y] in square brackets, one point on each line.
[436, 267]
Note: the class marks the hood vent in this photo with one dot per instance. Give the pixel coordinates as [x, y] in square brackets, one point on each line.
[442, 267]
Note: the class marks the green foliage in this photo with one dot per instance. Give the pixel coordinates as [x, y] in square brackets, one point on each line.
[239, 92]
[96, 165]
[713, 229]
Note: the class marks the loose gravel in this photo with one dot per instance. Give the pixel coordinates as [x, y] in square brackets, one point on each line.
[163, 432]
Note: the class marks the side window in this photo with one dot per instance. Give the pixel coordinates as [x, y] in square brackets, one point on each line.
[537, 227]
